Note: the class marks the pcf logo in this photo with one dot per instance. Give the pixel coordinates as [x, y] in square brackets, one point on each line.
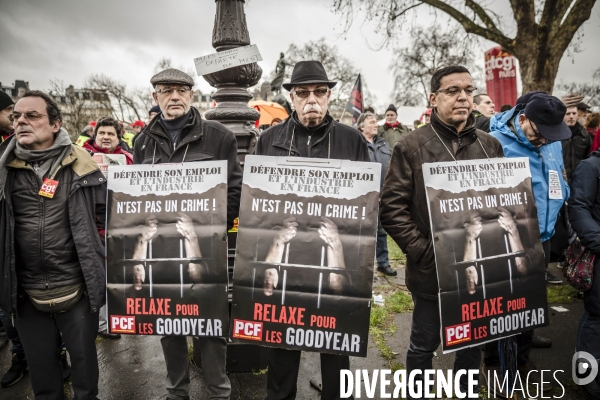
[458, 333]
[247, 329]
[119, 324]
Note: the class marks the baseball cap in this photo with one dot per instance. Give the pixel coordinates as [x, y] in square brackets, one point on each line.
[524, 99]
[138, 123]
[548, 113]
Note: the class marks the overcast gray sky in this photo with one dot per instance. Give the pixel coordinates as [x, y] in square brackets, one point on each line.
[69, 40]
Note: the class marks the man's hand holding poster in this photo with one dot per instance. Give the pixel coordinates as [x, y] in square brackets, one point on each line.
[166, 249]
[305, 250]
[489, 257]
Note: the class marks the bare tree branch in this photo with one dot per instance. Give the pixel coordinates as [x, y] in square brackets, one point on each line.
[126, 104]
[538, 47]
[338, 68]
[468, 24]
[413, 67]
[581, 12]
[483, 15]
[78, 106]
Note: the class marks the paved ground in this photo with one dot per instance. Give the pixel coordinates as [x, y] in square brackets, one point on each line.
[133, 367]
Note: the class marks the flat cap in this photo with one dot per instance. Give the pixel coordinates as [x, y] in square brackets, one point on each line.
[572, 100]
[583, 106]
[172, 76]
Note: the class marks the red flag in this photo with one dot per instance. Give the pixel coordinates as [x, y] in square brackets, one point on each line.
[355, 102]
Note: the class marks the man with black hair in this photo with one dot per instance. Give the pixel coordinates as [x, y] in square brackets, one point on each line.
[179, 134]
[53, 287]
[392, 130]
[18, 367]
[107, 139]
[450, 136]
[483, 109]
[577, 147]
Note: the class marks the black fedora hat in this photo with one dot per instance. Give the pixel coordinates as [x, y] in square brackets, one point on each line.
[308, 72]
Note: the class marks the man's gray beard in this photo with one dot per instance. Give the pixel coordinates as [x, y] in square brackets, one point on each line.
[312, 122]
[173, 115]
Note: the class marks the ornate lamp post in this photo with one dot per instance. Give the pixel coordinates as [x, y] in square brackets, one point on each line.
[232, 110]
[232, 96]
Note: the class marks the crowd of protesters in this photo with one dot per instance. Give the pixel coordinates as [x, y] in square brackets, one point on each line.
[67, 261]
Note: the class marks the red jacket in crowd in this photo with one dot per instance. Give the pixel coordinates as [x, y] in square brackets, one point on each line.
[90, 145]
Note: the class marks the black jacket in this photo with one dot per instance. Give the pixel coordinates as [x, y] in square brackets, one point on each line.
[200, 140]
[584, 203]
[481, 121]
[404, 211]
[584, 215]
[575, 149]
[72, 250]
[332, 140]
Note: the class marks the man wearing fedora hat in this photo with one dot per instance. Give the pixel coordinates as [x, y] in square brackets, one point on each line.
[309, 132]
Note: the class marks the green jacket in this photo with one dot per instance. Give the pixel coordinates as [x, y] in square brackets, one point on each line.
[392, 135]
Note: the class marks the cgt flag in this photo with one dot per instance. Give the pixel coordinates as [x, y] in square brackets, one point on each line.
[355, 102]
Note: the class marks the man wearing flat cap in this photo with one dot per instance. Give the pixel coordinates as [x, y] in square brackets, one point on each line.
[179, 134]
[583, 111]
[534, 128]
[309, 132]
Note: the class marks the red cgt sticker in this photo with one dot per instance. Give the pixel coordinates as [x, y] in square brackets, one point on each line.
[48, 188]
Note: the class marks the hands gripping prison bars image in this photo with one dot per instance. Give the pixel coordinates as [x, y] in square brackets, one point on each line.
[143, 256]
[332, 252]
[472, 269]
[472, 266]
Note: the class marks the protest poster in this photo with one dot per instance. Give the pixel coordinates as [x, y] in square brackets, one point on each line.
[305, 252]
[104, 160]
[489, 257]
[166, 249]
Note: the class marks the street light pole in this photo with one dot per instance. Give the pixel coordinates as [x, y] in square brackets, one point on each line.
[232, 110]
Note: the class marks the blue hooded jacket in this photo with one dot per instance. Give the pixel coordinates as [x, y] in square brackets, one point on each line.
[505, 127]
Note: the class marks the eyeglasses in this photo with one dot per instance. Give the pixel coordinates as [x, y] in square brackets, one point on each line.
[454, 91]
[538, 139]
[303, 93]
[29, 115]
[169, 90]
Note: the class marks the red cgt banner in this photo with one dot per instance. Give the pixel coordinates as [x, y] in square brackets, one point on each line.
[501, 76]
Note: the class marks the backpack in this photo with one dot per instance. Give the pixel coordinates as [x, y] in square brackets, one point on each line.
[579, 266]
